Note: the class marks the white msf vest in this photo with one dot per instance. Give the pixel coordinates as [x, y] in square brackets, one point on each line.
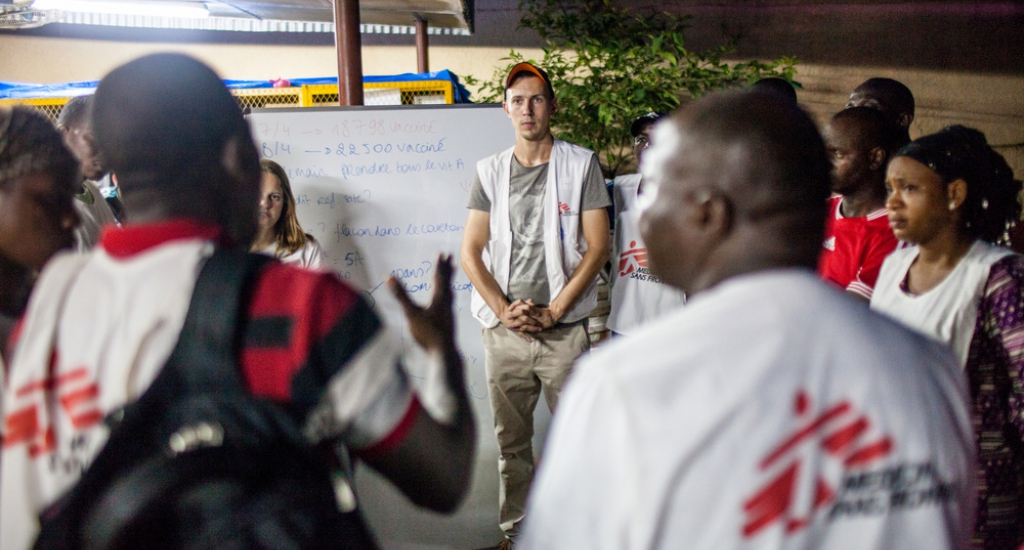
[564, 244]
[637, 296]
[948, 312]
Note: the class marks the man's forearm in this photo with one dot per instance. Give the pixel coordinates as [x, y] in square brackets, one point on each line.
[484, 283]
[593, 260]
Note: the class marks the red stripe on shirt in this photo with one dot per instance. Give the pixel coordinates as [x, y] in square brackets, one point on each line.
[392, 440]
[128, 240]
[316, 303]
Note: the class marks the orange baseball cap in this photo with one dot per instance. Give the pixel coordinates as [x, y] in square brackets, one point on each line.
[530, 68]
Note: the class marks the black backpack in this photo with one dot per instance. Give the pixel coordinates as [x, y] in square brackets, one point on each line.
[198, 462]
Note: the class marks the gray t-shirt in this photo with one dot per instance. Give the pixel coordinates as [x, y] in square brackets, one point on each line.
[528, 274]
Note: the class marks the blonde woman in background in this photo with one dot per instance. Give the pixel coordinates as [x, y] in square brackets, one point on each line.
[280, 234]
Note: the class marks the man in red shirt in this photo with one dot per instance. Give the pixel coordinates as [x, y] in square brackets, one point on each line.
[860, 141]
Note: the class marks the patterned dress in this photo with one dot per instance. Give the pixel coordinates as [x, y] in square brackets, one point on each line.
[995, 368]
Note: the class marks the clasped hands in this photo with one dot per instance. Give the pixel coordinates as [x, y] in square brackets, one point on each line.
[525, 317]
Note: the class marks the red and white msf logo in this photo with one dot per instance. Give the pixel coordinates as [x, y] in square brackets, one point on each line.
[632, 259]
[77, 395]
[839, 431]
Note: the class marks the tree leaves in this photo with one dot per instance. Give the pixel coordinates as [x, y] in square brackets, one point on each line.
[609, 65]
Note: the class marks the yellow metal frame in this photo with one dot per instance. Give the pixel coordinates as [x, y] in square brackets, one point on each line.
[50, 106]
[256, 98]
[316, 95]
[38, 102]
[312, 95]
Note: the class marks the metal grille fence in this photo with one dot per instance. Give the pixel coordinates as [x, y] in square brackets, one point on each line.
[420, 92]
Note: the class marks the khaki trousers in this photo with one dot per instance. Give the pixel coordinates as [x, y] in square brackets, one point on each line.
[517, 372]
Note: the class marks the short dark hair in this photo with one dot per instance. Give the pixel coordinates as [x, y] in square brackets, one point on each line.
[643, 121]
[775, 85]
[787, 139]
[75, 112]
[30, 144]
[164, 118]
[893, 94]
[874, 129]
[788, 168]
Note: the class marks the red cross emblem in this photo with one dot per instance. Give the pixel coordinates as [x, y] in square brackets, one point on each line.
[840, 432]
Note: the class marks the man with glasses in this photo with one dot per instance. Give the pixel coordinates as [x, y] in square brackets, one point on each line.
[538, 210]
[638, 296]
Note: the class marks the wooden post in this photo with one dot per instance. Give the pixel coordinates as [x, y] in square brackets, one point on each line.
[348, 44]
[422, 59]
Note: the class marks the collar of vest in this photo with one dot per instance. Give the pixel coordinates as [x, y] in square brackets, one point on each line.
[129, 240]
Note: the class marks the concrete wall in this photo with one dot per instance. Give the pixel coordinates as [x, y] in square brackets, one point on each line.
[48, 59]
[964, 61]
[992, 103]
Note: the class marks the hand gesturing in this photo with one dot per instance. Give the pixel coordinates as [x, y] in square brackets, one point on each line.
[433, 326]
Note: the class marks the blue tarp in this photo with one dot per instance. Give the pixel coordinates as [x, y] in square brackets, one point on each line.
[18, 90]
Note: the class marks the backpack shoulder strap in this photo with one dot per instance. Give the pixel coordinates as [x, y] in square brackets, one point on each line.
[206, 355]
[203, 361]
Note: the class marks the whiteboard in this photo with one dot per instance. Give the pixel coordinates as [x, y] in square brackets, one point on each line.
[384, 190]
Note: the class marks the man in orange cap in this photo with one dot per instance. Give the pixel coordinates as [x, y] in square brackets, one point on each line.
[538, 210]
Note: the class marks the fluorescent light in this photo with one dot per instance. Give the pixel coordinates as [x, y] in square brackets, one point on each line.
[185, 10]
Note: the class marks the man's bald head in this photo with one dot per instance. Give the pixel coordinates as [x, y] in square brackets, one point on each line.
[890, 96]
[739, 181]
[762, 150]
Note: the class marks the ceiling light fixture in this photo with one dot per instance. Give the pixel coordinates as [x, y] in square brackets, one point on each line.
[184, 10]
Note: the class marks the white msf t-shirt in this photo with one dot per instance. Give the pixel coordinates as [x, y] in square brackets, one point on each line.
[771, 412]
[310, 256]
[947, 312]
[99, 329]
[638, 296]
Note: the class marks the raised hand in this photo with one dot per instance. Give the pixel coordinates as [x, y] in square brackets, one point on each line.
[433, 326]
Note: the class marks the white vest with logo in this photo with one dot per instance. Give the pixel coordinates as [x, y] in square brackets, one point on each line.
[638, 296]
[564, 244]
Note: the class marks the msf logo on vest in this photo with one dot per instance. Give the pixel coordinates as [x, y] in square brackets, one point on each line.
[72, 395]
[836, 461]
[838, 439]
[632, 259]
[633, 264]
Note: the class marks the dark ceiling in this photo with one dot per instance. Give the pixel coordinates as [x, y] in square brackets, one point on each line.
[439, 13]
[985, 37]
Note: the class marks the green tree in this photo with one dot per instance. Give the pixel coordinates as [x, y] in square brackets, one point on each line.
[609, 65]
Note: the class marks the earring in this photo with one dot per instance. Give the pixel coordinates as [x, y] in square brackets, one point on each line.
[952, 206]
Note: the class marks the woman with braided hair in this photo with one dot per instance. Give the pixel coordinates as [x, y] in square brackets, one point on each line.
[38, 180]
[953, 198]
